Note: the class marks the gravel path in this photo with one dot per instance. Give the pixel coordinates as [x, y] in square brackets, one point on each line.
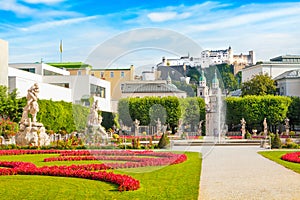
[241, 173]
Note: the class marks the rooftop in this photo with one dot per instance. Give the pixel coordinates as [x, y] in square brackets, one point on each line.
[150, 87]
[114, 68]
[284, 58]
[70, 65]
[289, 74]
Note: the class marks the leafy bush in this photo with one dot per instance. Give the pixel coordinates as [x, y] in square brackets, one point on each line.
[292, 133]
[7, 127]
[276, 142]
[247, 135]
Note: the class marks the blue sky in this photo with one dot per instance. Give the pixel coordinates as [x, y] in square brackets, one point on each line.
[34, 28]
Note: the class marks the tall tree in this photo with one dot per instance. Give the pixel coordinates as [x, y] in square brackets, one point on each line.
[261, 84]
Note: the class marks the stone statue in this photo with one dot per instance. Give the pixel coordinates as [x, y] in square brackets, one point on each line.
[265, 127]
[287, 126]
[136, 127]
[158, 126]
[93, 118]
[32, 106]
[243, 129]
[200, 127]
[31, 132]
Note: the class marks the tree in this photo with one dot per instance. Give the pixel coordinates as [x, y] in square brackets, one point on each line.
[261, 84]
[192, 110]
[293, 113]
[10, 106]
[188, 88]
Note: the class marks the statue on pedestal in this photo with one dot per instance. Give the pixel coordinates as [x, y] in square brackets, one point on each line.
[30, 130]
[243, 129]
[158, 126]
[95, 130]
[265, 127]
[136, 127]
[200, 127]
[287, 126]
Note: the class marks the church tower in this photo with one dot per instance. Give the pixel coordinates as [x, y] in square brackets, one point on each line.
[215, 84]
[202, 89]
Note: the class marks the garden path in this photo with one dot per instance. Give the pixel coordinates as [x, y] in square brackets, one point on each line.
[231, 172]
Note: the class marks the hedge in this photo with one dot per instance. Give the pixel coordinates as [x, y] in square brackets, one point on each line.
[168, 109]
[255, 108]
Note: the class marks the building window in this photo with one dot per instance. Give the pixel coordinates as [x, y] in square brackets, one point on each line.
[122, 74]
[98, 91]
[112, 74]
[66, 85]
[102, 74]
[31, 70]
[122, 86]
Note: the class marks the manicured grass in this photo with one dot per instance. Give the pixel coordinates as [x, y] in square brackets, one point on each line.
[179, 181]
[276, 157]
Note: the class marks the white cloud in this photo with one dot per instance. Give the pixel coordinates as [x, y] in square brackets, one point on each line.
[13, 6]
[246, 19]
[43, 1]
[161, 16]
[166, 16]
[51, 24]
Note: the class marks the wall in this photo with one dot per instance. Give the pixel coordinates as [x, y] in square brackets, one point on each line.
[289, 86]
[116, 81]
[3, 62]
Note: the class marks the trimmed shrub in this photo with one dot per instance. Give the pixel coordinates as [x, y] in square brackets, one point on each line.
[164, 141]
[276, 142]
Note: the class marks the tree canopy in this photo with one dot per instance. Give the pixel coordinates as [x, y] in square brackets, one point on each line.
[261, 84]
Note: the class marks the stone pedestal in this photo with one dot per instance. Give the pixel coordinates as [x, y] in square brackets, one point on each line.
[32, 134]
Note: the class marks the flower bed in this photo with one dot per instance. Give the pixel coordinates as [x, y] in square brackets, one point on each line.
[23, 168]
[91, 171]
[292, 157]
[235, 137]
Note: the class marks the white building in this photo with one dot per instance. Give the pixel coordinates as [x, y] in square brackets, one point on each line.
[288, 83]
[273, 68]
[83, 87]
[212, 57]
[3, 62]
[22, 76]
[57, 84]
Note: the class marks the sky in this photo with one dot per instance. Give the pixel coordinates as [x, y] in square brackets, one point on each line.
[142, 32]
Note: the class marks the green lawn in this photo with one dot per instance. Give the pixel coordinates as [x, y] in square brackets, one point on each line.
[276, 155]
[179, 181]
